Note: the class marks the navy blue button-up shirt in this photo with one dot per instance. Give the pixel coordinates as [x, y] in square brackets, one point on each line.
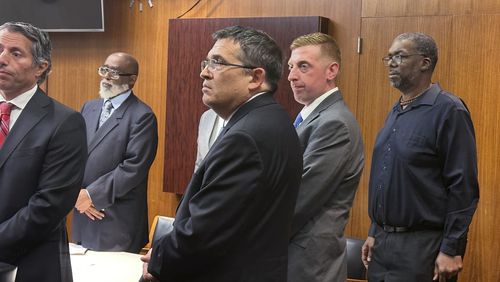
[424, 169]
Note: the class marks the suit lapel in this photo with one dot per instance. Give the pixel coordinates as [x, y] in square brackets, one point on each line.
[92, 119]
[112, 122]
[262, 100]
[325, 104]
[34, 111]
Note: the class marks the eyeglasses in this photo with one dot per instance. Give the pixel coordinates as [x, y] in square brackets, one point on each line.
[214, 65]
[397, 59]
[111, 73]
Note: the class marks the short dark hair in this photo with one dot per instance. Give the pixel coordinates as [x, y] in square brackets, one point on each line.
[258, 50]
[424, 44]
[41, 48]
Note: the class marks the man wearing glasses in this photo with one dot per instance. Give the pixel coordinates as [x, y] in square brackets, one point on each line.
[234, 219]
[423, 187]
[111, 212]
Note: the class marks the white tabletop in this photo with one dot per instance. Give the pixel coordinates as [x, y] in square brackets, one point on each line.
[106, 266]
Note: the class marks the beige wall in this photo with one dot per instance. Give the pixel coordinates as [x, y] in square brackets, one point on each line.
[468, 34]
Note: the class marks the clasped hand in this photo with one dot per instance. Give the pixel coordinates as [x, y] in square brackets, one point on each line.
[84, 205]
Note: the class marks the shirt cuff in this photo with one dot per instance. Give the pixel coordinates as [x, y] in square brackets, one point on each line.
[372, 230]
[453, 247]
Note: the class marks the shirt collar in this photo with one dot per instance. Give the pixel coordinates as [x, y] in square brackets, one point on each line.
[430, 96]
[119, 99]
[307, 110]
[427, 98]
[21, 100]
[251, 98]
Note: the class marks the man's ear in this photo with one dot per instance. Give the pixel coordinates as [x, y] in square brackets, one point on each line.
[132, 80]
[426, 64]
[332, 71]
[258, 78]
[40, 68]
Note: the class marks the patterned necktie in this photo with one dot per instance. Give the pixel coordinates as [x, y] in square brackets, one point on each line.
[298, 121]
[106, 112]
[4, 120]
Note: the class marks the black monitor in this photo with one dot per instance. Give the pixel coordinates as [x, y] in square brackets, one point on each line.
[55, 15]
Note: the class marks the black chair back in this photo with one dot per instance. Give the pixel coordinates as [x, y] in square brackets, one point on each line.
[355, 267]
[163, 226]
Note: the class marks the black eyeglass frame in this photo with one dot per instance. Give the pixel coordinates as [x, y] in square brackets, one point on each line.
[398, 59]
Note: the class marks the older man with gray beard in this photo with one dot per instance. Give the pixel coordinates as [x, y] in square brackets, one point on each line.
[111, 212]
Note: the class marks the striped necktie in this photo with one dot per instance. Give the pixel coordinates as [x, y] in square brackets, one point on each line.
[4, 121]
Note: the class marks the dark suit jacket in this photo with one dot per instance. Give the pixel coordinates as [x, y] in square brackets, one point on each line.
[333, 162]
[120, 154]
[41, 169]
[234, 220]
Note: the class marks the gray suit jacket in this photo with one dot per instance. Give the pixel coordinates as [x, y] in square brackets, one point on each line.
[333, 162]
[41, 170]
[120, 154]
[205, 128]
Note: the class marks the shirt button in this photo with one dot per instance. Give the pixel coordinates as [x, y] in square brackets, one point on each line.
[394, 130]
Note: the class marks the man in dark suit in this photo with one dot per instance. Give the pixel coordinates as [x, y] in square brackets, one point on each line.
[42, 159]
[333, 162]
[233, 223]
[111, 211]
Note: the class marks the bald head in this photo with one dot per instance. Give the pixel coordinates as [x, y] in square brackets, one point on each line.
[126, 62]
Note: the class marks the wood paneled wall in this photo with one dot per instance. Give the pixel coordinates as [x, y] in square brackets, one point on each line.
[467, 33]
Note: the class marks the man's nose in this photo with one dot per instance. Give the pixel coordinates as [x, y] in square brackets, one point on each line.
[292, 75]
[205, 73]
[3, 58]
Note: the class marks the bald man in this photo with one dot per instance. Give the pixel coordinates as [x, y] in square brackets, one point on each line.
[111, 212]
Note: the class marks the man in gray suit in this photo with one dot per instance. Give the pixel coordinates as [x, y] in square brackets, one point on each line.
[208, 129]
[111, 211]
[333, 162]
